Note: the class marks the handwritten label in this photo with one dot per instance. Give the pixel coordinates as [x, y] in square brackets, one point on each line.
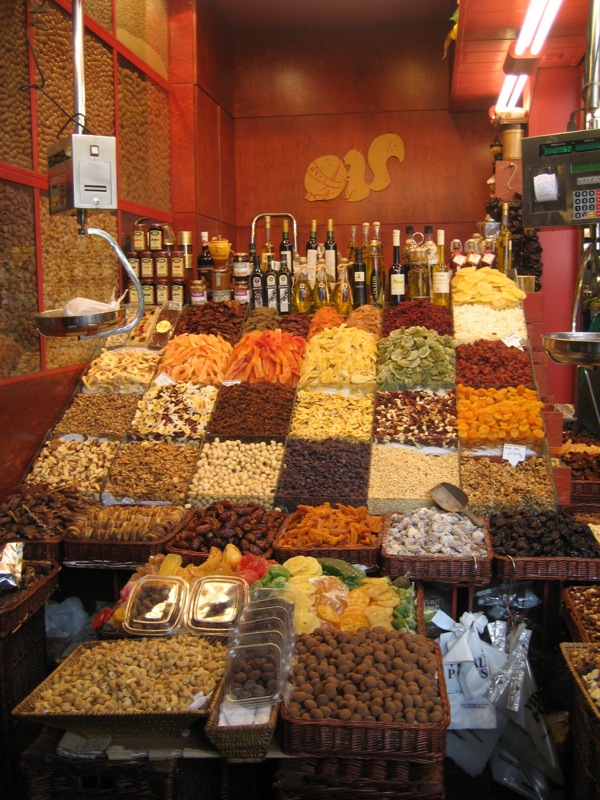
[513, 340]
[230, 383]
[513, 453]
[164, 380]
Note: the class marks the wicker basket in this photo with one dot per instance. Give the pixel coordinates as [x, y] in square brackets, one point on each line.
[52, 777]
[547, 569]
[306, 737]
[240, 743]
[341, 777]
[19, 606]
[43, 549]
[585, 490]
[22, 664]
[458, 570]
[91, 725]
[580, 627]
[585, 720]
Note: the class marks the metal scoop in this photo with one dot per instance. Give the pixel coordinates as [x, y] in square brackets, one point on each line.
[452, 498]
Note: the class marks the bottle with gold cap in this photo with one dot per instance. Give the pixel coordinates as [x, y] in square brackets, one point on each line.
[321, 294]
[302, 295]
[184, 241]
[342, 294]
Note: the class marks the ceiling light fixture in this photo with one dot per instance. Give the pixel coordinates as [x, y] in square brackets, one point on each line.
[523, 56]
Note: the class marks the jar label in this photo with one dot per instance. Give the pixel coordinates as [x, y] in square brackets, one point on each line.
[177, 267]
[162, 293]
[147, 267]
[397, 284]
[162, 267]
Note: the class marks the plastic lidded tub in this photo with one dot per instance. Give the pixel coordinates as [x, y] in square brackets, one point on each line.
[255, 613]
[254, 674]
[215, 603]
[156, 606]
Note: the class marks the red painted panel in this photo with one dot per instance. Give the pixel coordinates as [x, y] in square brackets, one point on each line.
[228, 155]
[207, 165]
[183, 149]
[182, 40]
[28, 408]
[215, 55]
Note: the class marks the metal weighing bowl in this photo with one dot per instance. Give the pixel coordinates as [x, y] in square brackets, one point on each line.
[55, 323]
[578, 349]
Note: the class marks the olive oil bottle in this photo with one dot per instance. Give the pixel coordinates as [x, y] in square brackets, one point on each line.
[302, 295]
[321, 295]
[342, 294]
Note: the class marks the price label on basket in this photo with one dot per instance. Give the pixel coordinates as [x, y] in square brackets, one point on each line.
[513, 340]
[513, 453]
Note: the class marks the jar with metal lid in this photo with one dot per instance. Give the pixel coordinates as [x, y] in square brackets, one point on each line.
[241, 291]
[178, 292]
[221, 290]
[162, 291]
[198, 292]
[155, 236]
[178, 265]
[134, 261]
[146, 265]
[133, 294]
[148, 292]
[241, 265]
[139, 237]
[161, 264]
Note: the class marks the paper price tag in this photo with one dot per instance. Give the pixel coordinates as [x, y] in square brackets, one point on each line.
[513, 340]
[513, 453]
[230, 383]
[164, 380]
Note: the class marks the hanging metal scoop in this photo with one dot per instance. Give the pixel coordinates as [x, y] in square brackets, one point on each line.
[452, 498]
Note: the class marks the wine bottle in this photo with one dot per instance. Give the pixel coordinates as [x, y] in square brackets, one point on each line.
[409, 245]
[312, 246]
[440, 275]
[342, 294]
[283, 279]
[504, 244]
[268, 249]
[257, 280]
[359, 285]
[375, 277]
[429, 245]
[270, 284]
[331, 253]
[302, 296]
[397, 273]
[204, 261]
[285, 248]
[419, 276]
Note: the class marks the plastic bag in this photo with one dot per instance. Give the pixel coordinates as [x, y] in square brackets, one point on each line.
[65, 620]
[81, 306]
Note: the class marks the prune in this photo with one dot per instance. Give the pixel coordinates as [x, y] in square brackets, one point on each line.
[549, 534]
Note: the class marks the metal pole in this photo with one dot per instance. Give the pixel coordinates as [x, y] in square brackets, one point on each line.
[79, 87]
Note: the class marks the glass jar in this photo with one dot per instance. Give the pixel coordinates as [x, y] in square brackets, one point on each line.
[198, 292]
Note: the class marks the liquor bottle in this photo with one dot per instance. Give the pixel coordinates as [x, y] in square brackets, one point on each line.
[257, 279]
[366, 238]
[409, 245]
[268, 248]
[504, 244]
[270, 278]
[359, 285]
[204, 261]
[489, 256]
[312, 246]
[375, 278]
[352, 244]
[376, 229]
[473, 256]
[429, 245]
[457, 262]
[418, 276]
[397, 273]
[440, 275]
[331, 253]
[302, 296]
[286, 251]
[283, 280]
[342, 294]
[321, 294]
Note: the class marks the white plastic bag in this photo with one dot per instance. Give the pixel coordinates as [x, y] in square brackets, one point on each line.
[65, 620]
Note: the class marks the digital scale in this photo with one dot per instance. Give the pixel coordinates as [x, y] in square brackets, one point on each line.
[561, 179]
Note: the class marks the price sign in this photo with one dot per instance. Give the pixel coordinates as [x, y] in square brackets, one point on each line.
[513, 453]
[230, 383]
[513, 340]
[164, 380]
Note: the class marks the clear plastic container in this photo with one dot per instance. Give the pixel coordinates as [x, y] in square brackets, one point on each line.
[254, 674]
[156, 606]
[216, 603]
[256, 614]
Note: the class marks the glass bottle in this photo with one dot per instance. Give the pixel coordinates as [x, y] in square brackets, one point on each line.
[268, 248]
[359, 284]
[342, 294]
[376, 229]
[409, 245]
[302, 296]
[397, 273]
[257, 279]
[204, 261]
[285, 248]
[352, 244]
[458, 259]
[366, 237]
[418, 276]
[473, 256]
[283, 280]
[489, 256]
[184, 243]
[331, 253]
[375, 278]
[440, 275]
[312, 246]
[321, 294]
[270, 284]
[139, 235]
[429, 245]
[504, 244]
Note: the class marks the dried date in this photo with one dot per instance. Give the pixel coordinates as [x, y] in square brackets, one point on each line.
[37, 511]
[553, 534]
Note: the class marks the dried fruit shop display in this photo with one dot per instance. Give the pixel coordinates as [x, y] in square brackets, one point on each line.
[221, 319]
[551, 534]
[497, 486]
[416, 358]
[267, 356]
[177, 412]
[327, 415]
[340, 358]
[418, 312]
[419, 419]
[488, 364]
[104, 416]
[495, 416]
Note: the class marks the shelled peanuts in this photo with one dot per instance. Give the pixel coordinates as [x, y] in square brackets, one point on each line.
[106, 416]
[83, 464]
[233, 470]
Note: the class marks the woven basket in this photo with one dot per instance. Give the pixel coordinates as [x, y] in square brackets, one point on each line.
[581, 628]
[356, 777]
[585, 490]
[240, 743]
[585, 721]
[547, 569]
[43, 549]
[305, 737]
[92, 725]
[19, 606]
[22, 664]
[458, 570]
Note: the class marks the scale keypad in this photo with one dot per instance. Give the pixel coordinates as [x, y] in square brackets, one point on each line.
[586, 204]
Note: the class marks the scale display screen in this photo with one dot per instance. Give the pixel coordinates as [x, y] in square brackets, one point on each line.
[568, 148]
